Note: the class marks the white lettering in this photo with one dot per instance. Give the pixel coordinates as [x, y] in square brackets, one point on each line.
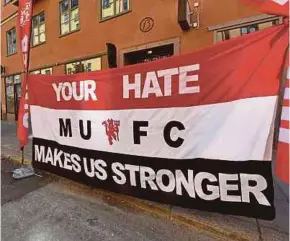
[225, 187]
[79, 91]
[57, 88]
[75, 159]
[57, 157]
[66, 91]
[90, 88]
[152, 82]
[151, 78]
[147, 178]
[78, 96]
[159, 180]
[261, 185]
[67, 161]
[101, 174]
[49, 157]
[136, 86]
[188, 183]
[184, 79]
[199, 177]
[39, 153]
[89, 173]
[167, 74]
[120, 178]
[132, 170]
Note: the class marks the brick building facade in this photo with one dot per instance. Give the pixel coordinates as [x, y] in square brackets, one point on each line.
[70, 36]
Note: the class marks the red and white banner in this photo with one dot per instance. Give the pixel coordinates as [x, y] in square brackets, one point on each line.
[24, 22]
[276, 7]
[193, 130]
[282, 159]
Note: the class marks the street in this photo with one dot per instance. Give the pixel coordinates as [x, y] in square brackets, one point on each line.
[50, 209]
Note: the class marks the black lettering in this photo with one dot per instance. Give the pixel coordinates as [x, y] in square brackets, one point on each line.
[137, 133]
[89, 130]
[166, 134]
[65, 128]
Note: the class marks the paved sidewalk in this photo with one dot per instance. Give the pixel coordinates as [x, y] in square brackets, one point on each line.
[49, 208]
[233, 227]
[9, 141]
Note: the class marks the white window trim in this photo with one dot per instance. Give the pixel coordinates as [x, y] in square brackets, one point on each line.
[51, 68]
[82, 60]
[175, 42]
[241, 23]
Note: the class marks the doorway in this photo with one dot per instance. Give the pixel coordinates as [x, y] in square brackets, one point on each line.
[149, 54]
[17, 96]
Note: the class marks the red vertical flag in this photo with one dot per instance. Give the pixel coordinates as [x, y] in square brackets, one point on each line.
[282, 160]
[276, 7]
[279, 7]
[24, 22]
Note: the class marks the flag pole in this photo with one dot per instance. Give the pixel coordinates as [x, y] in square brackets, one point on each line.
[22, 155]
[25, 11]
[282, 84]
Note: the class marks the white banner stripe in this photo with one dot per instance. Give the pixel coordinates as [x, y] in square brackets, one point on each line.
[284, 135]
[236, 131]
[281, 2]
[288, 73]
[285, 113]
[286, 94]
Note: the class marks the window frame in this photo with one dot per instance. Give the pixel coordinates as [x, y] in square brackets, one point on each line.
[256, 26]
[80, 61]
[69, 10]
[7, 54]
[174, 41]
[245, 22]
[224, 32]
[13, 84]
[42, 69]
[32, 30]
[9, 1]
[102, 19]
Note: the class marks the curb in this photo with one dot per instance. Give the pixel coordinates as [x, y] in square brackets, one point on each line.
[156, 210]
[15, 160]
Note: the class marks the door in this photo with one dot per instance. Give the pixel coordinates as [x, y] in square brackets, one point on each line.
[149, 54]
[17, 96]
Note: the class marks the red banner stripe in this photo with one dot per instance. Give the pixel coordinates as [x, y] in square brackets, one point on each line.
[221, 77]
[285, 124]
[282, 162]
[277, 7]
[285, 103]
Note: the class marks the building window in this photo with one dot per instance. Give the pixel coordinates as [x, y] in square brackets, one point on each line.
[149, 54]
[42, 71]
[38, 29]
[111, 8]
[13, 89]
[244, 30]
[83, 66]
[69, 16]
[7, 1]
[11, 41]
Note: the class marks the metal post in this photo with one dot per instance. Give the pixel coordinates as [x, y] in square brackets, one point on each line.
[23, 171]
[22, 155]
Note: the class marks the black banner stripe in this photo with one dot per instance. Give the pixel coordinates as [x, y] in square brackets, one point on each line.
[195, 183]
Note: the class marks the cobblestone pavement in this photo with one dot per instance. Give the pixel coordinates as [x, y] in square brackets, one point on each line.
[9, 142]
[41, 209]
